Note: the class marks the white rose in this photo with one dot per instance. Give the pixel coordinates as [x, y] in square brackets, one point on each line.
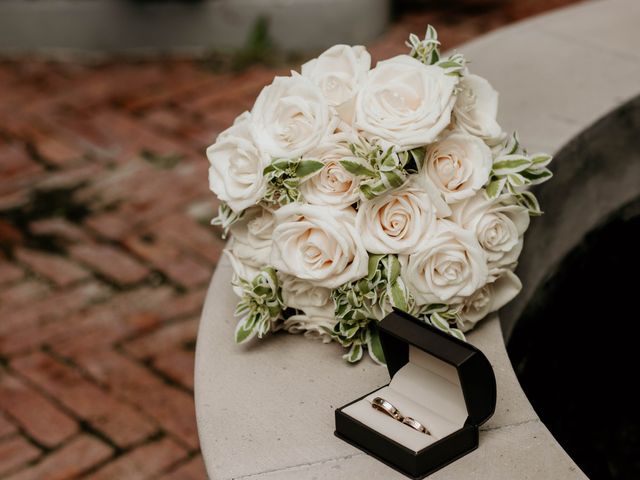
[313, 326]
[458, 165]
[499, 225]
[398, 221]
[318, 244]
[332, 185]
[476, 108]
[450, 266]
[339, 72]
[314, 303]
[304, 295]
[290, 117]
[490, 298]
[241, 270]
[405, 103]
[236, 166]
[252, 235]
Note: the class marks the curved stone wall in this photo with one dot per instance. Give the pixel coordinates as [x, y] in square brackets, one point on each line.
[595, 175]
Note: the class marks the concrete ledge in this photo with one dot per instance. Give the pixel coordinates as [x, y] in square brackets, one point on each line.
[266, 411]
[139, 27]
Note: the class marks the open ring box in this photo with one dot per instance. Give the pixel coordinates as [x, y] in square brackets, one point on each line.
[442, 382]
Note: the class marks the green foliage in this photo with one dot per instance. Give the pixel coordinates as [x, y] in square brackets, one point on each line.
[427, 51]
[454, 64]
[360, 304]
[226, 217]
[284, 176]
[514, 170]
[260, 306]
[381, 170]
[440, 316]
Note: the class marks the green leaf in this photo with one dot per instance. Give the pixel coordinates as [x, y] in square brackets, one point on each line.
[261, 290]
[512, 165]
[530, 201]
[367, 191]
[495, 187]
[243, 335]
[458, 334]
[374, 346]
[394, 268]
[355, 353]
[226, 218]
[517, 180]
[356, 168]
[350, 332]
[537, 177]
[268, 169]
[374, 261]
[448, 64]
[540, 160]
[308, 167]
[394, 178]
[439, 322]
[398, 296]
[418, 155]
[431, 32]
[263, 327]
[513, 144]
[276, 165]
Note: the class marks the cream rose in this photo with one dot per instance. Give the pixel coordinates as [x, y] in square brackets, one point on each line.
[448, 267]
[487, 299]
[458, 165]
[241, 270]
[318, 244]
[313, 326]
[290, 117]
[252, 235]
[398, 221]
[315, 305]
[405, 103]
[499, 225]
[476, 108]
[236, 166]
[339, 72]
[332, 186]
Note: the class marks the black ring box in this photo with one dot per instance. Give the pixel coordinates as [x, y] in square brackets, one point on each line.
[398, 331]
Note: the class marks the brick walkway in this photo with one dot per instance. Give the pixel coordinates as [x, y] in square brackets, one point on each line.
[105, 253]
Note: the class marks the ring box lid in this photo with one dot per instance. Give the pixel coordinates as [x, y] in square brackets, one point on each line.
[399, 330]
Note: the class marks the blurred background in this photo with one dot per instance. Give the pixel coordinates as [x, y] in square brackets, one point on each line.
[106, 107]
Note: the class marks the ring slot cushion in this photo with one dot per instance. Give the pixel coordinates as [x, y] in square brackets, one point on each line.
[442, 382]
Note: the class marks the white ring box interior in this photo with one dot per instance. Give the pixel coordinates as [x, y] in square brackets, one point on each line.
[444, 383]
[425, 389]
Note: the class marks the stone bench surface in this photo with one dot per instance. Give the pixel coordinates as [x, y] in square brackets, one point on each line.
[265, 411]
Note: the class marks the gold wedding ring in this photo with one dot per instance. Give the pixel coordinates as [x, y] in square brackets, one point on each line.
[415, 425]
[387, 407]
[384, 406]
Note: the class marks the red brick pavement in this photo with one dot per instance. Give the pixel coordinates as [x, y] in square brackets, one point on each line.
[105, 252]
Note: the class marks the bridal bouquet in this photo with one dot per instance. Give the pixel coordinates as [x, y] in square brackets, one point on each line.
[350, 190]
